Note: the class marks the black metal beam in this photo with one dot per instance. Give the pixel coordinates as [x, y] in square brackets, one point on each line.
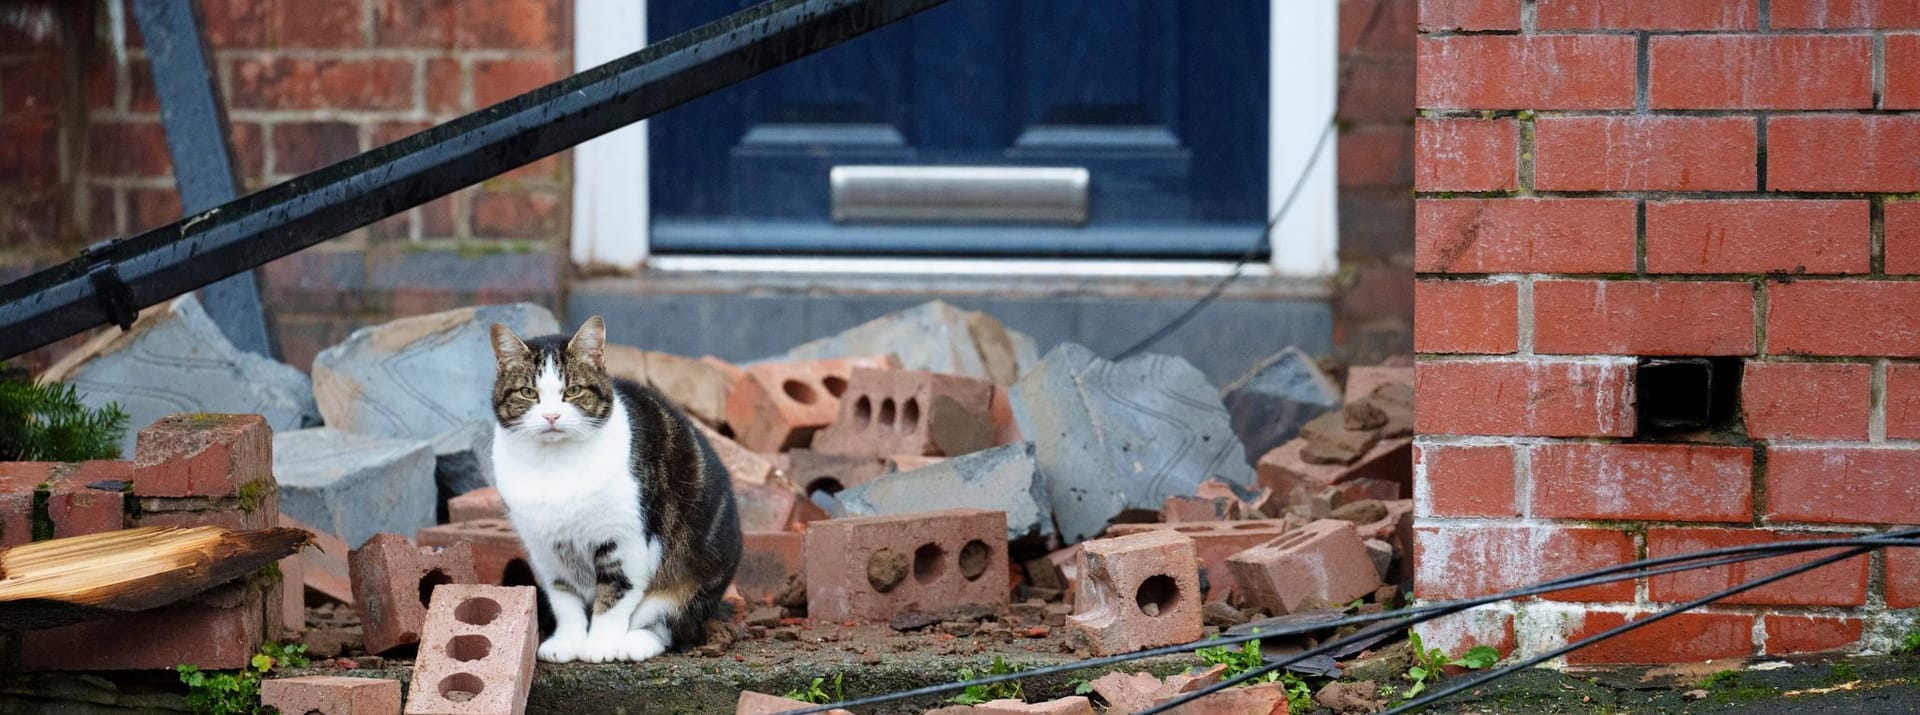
[103, 285]
[202, 160]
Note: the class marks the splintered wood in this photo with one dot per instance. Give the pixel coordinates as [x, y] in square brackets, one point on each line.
[50, 583]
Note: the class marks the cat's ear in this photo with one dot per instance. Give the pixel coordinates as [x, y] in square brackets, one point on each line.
[508, 347]
[590, 342]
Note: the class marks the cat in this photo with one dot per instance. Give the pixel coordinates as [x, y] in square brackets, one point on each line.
[627, 515]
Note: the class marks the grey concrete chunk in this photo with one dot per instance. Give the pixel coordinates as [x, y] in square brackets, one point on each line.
[176, 360]
[353, 485]
[422, 376]
[1273, 400]
[1002, 478]
[1115, 436]
[463, 458]
[933, 336]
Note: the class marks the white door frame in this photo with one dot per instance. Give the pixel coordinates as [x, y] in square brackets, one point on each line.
[610, 201]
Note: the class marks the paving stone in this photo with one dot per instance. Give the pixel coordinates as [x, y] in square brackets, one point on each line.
[476, 652]
[874, 567]
[1004, 479]
[1272, 401]
[498, 555]
[353, 485]
[778, 406]
[392, 580]
[463, 459]
[175, 360]
[1135, 592]
[1115, 436]
[937, 337]
[698, 386]
[1214, 542]
[910, 412]
[484, 503]
[331, 695]
[1323, 564]
[392, 379]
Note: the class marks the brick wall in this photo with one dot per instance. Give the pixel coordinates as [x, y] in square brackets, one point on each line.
[1373, 307]
[1600, 182]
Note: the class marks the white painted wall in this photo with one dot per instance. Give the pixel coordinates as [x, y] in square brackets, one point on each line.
[610, 202]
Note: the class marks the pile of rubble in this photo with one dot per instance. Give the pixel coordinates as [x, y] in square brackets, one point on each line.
[927, 469]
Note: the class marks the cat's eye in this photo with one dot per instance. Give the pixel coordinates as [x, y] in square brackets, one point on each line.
[528, 393]
[576, 392]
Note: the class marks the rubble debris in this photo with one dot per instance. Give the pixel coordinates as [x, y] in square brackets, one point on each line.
[1070, 705]
[80, 499]
[1136, 592]
[497, 551]
[376, 382]
[773, 505]
[325, 564]
[1382, 554]
[768, 559]
[203, 455]
[743, 464]
[463, 459]
[1253, 500]
[912, 412]
[68, 580]
[778, 406]
[331, 695]
[1261, 699]
[1385, 472]
[476, 652]
[957, 557]
[173, 360]
[1004, 479]
[355, 485]
[698, 386]
[1331, 441]
[820, 472]
[1269, 404]
[1364, 511]
[1323, 564]
[483, 503]
[1221, 614]
[752, 703]
[392, 580]
[1127, 693]
[1179, 509]
[937, 337]
[1351, 697]
[17, 484]
[1214, 542]
[1127, 435]
[1043, 573]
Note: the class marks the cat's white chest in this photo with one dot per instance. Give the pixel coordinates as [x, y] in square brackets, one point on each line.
[570, 491]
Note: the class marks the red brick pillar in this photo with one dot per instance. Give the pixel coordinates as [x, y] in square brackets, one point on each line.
[1601, 183]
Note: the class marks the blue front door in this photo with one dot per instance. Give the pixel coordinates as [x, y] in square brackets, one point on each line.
[1159, 105]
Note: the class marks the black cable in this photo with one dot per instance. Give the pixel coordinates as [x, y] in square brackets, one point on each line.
[1618, 572]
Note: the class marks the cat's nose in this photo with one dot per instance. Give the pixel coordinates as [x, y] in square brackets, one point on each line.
[552, 418]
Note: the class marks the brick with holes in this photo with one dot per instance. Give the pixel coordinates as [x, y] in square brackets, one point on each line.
[497, 551]
[331, 695]
[1137, 591]
[1319, 565]
[476, 652]
[819, 471]
[874, 567]
[1213, 543]
[779, 406]
[887, 412]
[392, 580]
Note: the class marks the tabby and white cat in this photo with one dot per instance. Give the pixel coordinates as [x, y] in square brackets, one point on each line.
[628, 517]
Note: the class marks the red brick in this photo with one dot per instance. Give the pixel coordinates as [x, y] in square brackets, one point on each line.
[812, 471]
[302, 23]
[248, 141]
[1846, 485]
[209, 637]
[1645, 154]
[779, 406]
[17, 483]
[1466, 317]
[1901, 246]
[1526, 72]
[325, 564]
[1320, 565]
[929, 546]
[77, 507]
[1643, 318]
[1903, 577]
[231, 513]
[1682, 638]
[1524, 235]
[1646, 15]
[444, 80]
[415, 23]
[1761, 72]
[1842, 14]
[392, 581]
[1466, 155]
[1474, 482]
[496, 81]
[514, 24]
[768, 559]
[1758, 236]
[1122, 576]
[1787, 400]
[910, 412]
[151, 208]
[1902, 79]
[29, 151]
[301, 83]
[482, 503]
[1437, 15]
[331, 694]
[1843, 152]
[1379, 88]
[1794, 634]
[1879, 318]
[31, 88]
[123, 149]
[300, 147]
[752, 703]
[1213, 543]
[1547, 398]
[232, 23]
[1840, 584]
[1463, 562]
[1376, 157]
[517, 214]
[1384, 472]
[497, 551]
[1184, 509]
[773, 505]
[202, 455]
[1642, 482]
[1903, 401]
[480, 640]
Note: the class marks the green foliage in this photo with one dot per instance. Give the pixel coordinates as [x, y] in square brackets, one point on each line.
[1728, 687]
[1908, 645]
[48, 423]
[1239, 660]
[1299, 693]
[816, 694]
[238, 692]
[1428, 662]
[1081, 686]
[1724, 677]
[977, 694]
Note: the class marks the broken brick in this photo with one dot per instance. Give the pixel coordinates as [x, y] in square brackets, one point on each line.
[482, 503]
[887, 412]
[1323, 564]
[497, 551]
[874, 567]
[202, 455]
[476, 652]
[1137, 591]
[752, 703]
[1185, 508]
[768, 559]
[325, 564]
[17, 483]
[88, 497]
[1262, 699]
[1070, 705]
[218, 636]
[779, 406]
[1331, 440]
[392, 580]
[331, 695]
[1000, 410]
[1214, 542]
[1126, 694]
[1363, 381]
[818, 471]
[1253, 500]
[743, 464]
[698, 386]
[773, 505]
[1384, 472]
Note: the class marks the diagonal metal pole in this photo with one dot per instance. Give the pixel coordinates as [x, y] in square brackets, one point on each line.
[111, 283]
[203, 164]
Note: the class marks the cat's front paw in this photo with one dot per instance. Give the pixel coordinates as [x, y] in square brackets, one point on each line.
[561, 649]
[639, 645]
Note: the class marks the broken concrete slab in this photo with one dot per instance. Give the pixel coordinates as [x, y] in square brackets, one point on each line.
[1000, 479]
[354, 485]
[463, 459]
[175, 360]
[697, 385]
[392, 379]
[1115, 436]
[937, 337]
[1272, 401]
